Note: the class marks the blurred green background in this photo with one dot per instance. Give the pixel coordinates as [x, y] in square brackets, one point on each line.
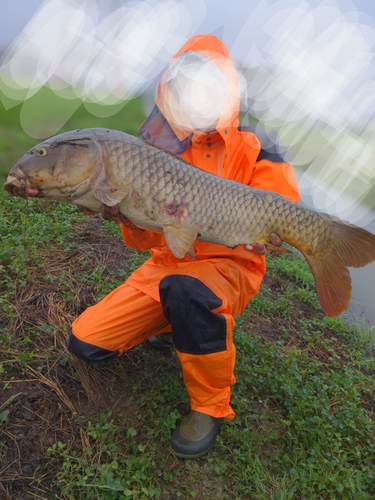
[49, 108]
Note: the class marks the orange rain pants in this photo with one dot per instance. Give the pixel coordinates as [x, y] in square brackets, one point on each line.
[127, 317]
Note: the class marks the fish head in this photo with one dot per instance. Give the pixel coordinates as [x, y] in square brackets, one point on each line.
[58, 168]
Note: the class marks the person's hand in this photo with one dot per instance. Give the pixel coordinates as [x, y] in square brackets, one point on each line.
[86, 211]
[108, 213]
[112, 214]
[261, 248]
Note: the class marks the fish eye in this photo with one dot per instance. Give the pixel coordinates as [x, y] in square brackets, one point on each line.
[41, 152]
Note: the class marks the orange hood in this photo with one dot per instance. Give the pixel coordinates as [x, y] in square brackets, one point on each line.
[162, 127]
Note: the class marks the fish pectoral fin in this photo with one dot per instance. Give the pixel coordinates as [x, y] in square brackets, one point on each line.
[191, 253]
[111, 196]
[179, 240]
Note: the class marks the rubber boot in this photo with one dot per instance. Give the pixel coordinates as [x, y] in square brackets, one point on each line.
[161, 342]
[195, 434]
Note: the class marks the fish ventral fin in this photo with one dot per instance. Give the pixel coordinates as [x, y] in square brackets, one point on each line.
[180, 240]
[111, 196]
[277, 249]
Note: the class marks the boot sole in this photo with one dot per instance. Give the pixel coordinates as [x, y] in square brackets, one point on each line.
[182, 455]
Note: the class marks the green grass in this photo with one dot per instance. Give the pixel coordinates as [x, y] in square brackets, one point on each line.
[304, 398]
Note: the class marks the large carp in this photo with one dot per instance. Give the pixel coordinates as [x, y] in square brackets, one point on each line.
[162, 192]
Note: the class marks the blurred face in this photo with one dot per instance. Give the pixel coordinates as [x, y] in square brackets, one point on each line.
[195, 94]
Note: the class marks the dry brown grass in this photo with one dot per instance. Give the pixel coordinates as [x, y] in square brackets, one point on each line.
[49, 391]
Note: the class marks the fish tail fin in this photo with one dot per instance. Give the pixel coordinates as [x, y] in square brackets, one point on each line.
[352, 247]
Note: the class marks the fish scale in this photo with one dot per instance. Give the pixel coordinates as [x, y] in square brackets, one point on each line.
[162, 192]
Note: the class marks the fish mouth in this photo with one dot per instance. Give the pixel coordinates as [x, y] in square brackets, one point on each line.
[18, 187]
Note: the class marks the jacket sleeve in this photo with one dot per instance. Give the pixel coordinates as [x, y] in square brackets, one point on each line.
[277, 177]
[141, 239]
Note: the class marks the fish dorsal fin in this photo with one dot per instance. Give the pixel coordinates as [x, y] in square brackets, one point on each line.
[179, 240]
[111, 196]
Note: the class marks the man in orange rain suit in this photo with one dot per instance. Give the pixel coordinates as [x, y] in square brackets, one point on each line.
[195, 116]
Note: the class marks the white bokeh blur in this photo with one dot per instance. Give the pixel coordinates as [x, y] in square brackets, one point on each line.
[307, 72]
[103, 60]
[313, 82]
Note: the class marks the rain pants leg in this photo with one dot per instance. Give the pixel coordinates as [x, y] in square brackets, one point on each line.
[198, 303]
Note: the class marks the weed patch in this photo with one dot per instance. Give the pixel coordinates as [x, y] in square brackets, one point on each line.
[304, 398]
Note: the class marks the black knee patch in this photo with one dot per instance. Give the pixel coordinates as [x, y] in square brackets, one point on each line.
[187, 304]
[89, 352]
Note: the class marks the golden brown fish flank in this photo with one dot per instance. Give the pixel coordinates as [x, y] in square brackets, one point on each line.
[161, 192]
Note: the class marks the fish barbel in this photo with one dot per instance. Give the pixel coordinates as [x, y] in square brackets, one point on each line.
[159, 191]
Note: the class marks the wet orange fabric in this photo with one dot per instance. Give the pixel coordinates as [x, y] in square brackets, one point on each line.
[133, 312]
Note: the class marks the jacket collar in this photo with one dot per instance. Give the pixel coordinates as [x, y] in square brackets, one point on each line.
[157, 131]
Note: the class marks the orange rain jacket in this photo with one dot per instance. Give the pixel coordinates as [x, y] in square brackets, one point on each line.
[233, 155]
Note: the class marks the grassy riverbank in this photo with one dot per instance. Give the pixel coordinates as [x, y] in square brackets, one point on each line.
[304, 398]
